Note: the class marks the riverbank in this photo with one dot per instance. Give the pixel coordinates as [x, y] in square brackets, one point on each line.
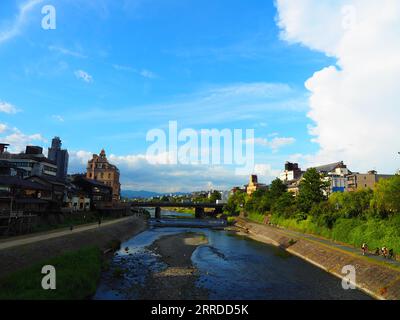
[377, 279]
[178, 280]
[30, 252]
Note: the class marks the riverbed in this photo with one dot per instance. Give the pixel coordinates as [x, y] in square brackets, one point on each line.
[192, 263]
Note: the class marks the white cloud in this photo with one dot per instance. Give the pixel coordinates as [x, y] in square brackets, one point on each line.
[67, 52]
[148, 74]
[58, 118]
[275, 144]
[19, 140]
[7, 107]
[143, 72]
[138, 172]
[216, 104]
[354, 104]
[15, 28]
[83, 75]
[3, 127]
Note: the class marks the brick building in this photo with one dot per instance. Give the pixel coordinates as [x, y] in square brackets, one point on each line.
[100, 169]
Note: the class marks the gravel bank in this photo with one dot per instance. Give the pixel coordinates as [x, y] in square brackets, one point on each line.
[178, 280]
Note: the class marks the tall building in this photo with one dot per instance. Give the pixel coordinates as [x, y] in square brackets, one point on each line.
[100, 169]
[60, 157]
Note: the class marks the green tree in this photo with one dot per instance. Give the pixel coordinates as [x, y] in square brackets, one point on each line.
[386, 199]
[352, 204]
[215, 195]
[285, 205]
[236, 203]
[277, 189]
[312, 190]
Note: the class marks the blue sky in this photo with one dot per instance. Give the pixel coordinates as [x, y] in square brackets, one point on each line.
[112, 70]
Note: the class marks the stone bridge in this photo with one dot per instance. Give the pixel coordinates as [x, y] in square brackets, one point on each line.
[199, 207]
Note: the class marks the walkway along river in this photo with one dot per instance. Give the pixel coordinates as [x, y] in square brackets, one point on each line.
[202, 263]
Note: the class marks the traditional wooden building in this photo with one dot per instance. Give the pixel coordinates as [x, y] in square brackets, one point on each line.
[100, 169]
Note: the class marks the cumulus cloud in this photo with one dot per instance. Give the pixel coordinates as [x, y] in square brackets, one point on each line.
[355, 103]
[7, 107]
[19, 140]
[83, 75]
[139, 172]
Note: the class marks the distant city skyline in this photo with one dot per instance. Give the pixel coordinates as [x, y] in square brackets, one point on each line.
[112, 71]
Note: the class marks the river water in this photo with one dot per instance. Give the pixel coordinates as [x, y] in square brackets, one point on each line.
[230, 266]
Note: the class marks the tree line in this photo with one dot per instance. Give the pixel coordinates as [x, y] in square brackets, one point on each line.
[352, 217]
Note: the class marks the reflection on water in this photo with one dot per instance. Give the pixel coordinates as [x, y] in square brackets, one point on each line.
[230, 267]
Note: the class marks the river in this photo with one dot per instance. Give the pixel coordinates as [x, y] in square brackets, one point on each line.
[229, 266]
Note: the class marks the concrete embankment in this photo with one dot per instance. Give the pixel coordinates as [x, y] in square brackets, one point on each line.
[374, 278]
[22, 253]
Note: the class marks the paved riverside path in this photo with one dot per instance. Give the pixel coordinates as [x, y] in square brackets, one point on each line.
[19, 241]
[340, 246]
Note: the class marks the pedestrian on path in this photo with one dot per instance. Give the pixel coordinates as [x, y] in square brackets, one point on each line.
[364, 249]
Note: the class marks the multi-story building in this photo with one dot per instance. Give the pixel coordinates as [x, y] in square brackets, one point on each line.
[254, 186]
[32, 161]
[60, 157]
[100, 169]
[336, 175]
[359, 181]
[292, 172]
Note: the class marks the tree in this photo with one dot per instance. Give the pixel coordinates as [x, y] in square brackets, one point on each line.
[351, 204]
[277, 189]
[215, 195]
[284, 205]
[235, 203]
[386, 199]
[312, 190]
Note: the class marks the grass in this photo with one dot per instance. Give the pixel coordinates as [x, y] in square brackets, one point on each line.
[77, 275]
[257, 217]
[376, 233]
[183, 210]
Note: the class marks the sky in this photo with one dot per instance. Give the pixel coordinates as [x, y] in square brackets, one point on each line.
[316, 80]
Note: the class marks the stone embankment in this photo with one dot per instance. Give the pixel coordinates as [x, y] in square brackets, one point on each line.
[374, 278]
[16, 257]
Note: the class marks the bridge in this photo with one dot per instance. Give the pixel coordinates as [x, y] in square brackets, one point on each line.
[199, 207]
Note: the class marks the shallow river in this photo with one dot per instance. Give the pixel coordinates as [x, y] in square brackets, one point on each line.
[230, 267]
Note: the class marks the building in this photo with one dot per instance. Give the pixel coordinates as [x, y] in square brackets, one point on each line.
[100, 169]
[336, 175]
[59, 157]
[360, 181]
[291, 176]
[32, 161]
[292, 172]
[99, 194]
[254, 186]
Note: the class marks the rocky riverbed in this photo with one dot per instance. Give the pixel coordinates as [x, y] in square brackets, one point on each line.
[178, 280]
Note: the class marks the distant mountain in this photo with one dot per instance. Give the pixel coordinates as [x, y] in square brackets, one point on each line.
[139, 194]
[146, 194]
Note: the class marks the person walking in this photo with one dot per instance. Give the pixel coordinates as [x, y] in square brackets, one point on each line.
[364, 249]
